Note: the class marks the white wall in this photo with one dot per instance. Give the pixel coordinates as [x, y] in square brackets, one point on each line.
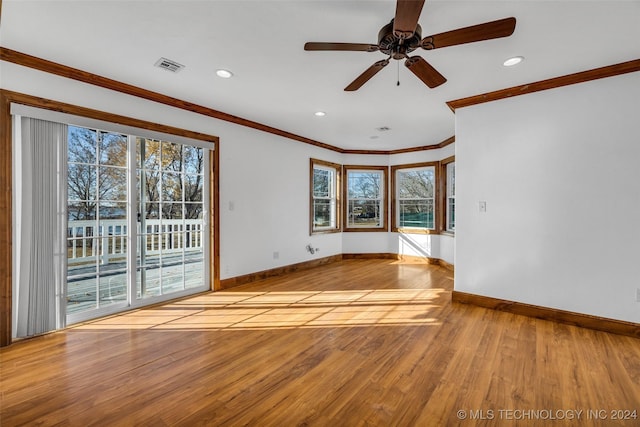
[264, 191]
[559, 172]
[264, 178]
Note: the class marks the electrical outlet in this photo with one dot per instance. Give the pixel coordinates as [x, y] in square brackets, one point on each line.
[276, 255]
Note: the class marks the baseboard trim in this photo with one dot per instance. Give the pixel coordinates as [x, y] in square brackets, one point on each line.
[379, 255]
[253, 277]
[407, 258]
[604, 324]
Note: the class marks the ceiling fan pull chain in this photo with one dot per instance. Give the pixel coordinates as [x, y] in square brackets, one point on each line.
[398, 68]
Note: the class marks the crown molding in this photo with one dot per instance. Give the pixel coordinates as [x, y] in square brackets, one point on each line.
[62, 70]
[569, 79]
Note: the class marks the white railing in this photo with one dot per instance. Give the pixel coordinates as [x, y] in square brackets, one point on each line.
[107, 239]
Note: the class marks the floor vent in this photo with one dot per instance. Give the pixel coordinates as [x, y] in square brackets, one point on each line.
[169, 65]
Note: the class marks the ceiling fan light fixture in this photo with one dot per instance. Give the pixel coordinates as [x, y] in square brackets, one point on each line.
[510, 62]
[225, 74]
[320, 114]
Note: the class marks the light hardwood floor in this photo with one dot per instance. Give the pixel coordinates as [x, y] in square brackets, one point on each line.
[354, 343]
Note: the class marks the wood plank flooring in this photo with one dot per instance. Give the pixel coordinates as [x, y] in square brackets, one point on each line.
[354, 343]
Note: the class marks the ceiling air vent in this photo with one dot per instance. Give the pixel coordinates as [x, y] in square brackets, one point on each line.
[169, 65]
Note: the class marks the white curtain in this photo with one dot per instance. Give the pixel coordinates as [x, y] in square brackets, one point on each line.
[40, 226]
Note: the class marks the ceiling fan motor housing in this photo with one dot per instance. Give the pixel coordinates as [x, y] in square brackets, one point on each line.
[396, 47]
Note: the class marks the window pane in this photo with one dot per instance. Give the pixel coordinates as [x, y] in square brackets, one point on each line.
[112, 183]
[148, 152]
[364, 185]
[193, 210]
[364, 213]
[451, 179]
[171, 211]
[451, 214]
[171, 187]
[149, 181]
[112, 149]
[171, 156]
[193, 160]
[152, 211]
[112, 288]
[321, 183]
[81, 211]
[416, 183]
[193, 187]
[323, 213]
[113, 211]
[81, 145]
[81, 182]
[416, 213]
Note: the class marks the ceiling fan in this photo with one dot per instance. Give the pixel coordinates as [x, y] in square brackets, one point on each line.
[403, 35]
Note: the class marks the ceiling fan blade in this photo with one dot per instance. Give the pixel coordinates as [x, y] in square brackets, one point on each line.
[360, 47]
[406, 19]
[364, 77]
[424, 71]
[475, 33]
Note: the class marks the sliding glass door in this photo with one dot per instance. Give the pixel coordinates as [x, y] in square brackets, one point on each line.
[137, 228]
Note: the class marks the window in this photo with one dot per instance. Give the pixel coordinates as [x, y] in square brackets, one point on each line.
[325, 181]
[451, 197]
[414, 190]
[448, 194]
[365, 190]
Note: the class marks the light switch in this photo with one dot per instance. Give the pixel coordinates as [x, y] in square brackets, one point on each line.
[482, 206]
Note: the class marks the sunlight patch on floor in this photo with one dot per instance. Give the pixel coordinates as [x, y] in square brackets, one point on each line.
[279, 309]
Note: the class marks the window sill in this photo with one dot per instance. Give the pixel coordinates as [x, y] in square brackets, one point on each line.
[368, 230]
[333, 230]
[415, 231]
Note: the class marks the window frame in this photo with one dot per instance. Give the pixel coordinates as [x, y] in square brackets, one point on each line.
[384, 197]
[395, 209]
[444, 206]
[337, 168]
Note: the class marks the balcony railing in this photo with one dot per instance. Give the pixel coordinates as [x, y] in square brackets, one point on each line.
[107, 239]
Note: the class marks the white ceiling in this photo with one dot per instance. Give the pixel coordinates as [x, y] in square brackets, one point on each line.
[279, 84]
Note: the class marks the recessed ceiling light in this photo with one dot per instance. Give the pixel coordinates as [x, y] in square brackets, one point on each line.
[320, 113]
[513, 61]
[225, 74]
